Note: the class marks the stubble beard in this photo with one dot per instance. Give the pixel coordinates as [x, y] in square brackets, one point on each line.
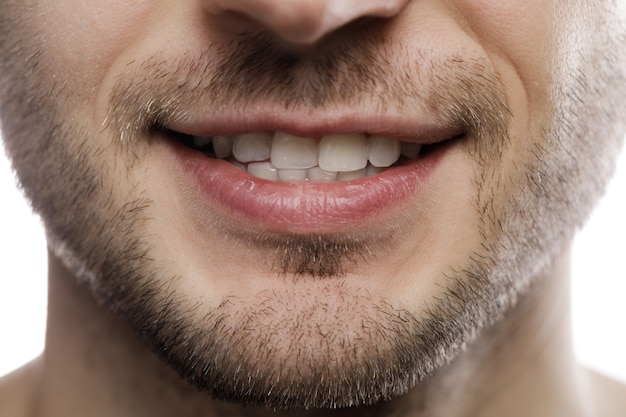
[356, 352]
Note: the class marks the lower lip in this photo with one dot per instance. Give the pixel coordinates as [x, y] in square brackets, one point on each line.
[304, 207]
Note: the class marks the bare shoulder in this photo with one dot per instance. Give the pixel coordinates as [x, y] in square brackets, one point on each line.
[16, 390]
[610, 395]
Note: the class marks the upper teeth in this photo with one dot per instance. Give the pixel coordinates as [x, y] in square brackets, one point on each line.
[284, 157]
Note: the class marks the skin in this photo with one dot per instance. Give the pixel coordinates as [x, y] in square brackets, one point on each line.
[452, 304]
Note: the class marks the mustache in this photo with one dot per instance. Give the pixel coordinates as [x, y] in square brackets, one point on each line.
[465, 93]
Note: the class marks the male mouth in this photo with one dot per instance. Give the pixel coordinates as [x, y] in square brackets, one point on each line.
[321, 183]
[280, 156]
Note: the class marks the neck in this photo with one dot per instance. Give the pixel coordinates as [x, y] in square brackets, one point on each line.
[93, 365]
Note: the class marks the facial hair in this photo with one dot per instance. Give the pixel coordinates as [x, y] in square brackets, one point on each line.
[232, 353]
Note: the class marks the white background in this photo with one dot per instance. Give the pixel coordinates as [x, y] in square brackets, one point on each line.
[599, 281]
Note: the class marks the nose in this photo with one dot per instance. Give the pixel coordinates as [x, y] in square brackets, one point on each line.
[305, 21]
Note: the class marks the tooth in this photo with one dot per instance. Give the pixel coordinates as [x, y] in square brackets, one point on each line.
[352, 175]
[411, 150]
[222, 146]
[292, 174]
[343, 152]
[383, 152]
[237, 164]
[263, 170]
[201, 141]
[318, 174]
[252, 147]
[372, 170]
[293, 152]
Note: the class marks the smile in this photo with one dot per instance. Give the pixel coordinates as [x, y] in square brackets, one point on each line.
[334, 171]
[323, 182]
[280, 156]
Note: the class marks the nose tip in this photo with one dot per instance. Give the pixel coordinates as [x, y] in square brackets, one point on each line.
[306, 21]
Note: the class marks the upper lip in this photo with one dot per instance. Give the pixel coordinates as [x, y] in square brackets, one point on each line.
[419, 128]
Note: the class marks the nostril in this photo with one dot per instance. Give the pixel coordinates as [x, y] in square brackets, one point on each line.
[297, 21]
[305, 21]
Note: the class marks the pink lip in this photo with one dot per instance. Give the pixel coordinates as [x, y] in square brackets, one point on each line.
[293, 207]
[424, 129]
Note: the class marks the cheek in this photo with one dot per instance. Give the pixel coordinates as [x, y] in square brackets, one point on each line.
[81, 38]
[525, 28]
[520, 33]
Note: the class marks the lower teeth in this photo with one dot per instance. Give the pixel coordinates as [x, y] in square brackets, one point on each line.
[266, 171]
